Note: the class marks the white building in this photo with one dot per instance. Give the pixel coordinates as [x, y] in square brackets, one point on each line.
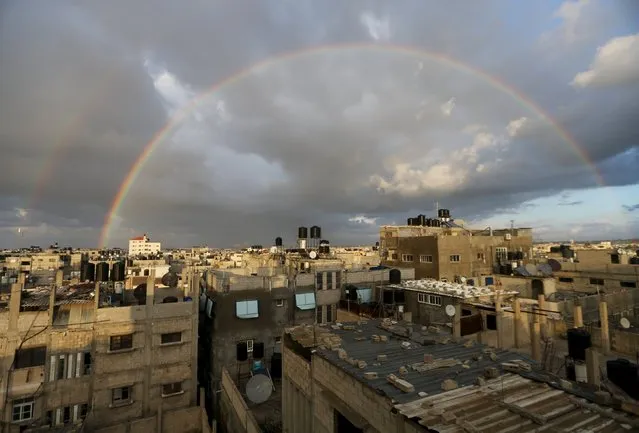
[141, 245]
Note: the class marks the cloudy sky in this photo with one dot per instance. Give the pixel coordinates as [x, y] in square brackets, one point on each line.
[343, 114]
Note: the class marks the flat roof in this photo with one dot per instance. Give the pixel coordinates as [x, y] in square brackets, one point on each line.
[455, 290]
[518, 402]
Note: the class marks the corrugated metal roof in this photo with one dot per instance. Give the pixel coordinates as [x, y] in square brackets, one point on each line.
[358, 345]
[512, 403]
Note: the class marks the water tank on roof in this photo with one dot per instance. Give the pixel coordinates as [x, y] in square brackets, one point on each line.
[87, 271]
[302, 233]
[118, 271]
[278, 241]
[394, 276]
[625, 375]
[421, 219]
[102, 272]
[316, 232]
[436, 223]
[578, 341]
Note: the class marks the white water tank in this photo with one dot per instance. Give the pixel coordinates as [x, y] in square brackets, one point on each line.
[581, 373]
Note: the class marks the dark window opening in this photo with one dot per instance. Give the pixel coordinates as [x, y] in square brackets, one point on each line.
[537, 288]
[628, 284]
[121, 395]
[61, 367]
[169, 300]
[87, 363]
[466, 312]
[318, 314]
[121, 342]
[614, 259]
[565, 280]
[491, 322]
[172, 337]
[32, 357]
[66, 415]
[343, 425]
[172, 388]
[597, 281]
[329, 313]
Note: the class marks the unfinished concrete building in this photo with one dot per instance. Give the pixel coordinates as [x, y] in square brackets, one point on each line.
[448, 251]
[385, 377]
[84, 359]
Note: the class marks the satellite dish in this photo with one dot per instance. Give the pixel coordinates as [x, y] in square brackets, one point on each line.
[625, 323]
[555, 265]
[462, 279]
[313, 254]
[531, 269]
[259, 388]
[545, 269]
[170, 279]
[522, 271]
[450, 310]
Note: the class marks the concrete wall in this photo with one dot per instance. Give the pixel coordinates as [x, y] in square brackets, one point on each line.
[577, 277]
[621, 304]
[621, 341]
[234, 411]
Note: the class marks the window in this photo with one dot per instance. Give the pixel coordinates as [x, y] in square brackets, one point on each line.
[330, 313]
[628, 284]
[278, 340]
[249, 346]
[319, 316]
[122, 395]
[425, 298]
[329, 281]
[121, 342]
[32, 357]
[84, 411]
[22, 409]
[319, 281]
[426, 259]
[407, 257]
[614, 259]
[86, 363]
[171, 337]
[246, 309]
[597, 281]
[171, 389]
[61, 367]
[338, 279]
[565, 280]
[501, 253]
[455, 258]
[394, 256]
[279, 303]
[305, 301]
[480, 256]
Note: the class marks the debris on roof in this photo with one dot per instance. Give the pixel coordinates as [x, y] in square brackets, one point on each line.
[455, 290]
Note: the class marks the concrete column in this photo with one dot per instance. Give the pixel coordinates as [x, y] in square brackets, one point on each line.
[535, 341]
[605, 333]
[14, 306]
[150, 287]
[541, 301]
[52, 294]
[499, 321]
[517, 323]
[59, 278]
[457, 322]
[592, 367]
[578, 316]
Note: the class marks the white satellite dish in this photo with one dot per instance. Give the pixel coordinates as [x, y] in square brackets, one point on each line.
[625, 323]
[259, 388]
[313, 254]
[450, 310]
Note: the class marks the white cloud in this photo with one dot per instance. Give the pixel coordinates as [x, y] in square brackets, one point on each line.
[571, 12]
[378, 28]
[616, 62]
[514, 126]
[481, 142]
[448, 106]
[361, 219]
[409, 181]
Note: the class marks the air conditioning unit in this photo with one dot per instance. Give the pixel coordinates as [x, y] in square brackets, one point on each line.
[508, 236]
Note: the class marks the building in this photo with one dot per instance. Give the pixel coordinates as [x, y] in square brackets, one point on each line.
[84, 358]
[142, 246]
[449, 251]
[387, 377]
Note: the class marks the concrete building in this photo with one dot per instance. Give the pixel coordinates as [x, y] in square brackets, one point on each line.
[142, 246]
[85, 359]
[385, 377]
[451, 252]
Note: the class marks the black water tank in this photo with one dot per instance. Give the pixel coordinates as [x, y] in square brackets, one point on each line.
[625, 375]
[118, 271]
[441, 213]
[394, 276]
[276, 365]
[421, 219]
[578, 341]
[102, 272]
[241, 351]
[436, 223]
[87, 271]
[316, 232]
[258, 350]
[278, 241]
[302, 233]
[429, 222]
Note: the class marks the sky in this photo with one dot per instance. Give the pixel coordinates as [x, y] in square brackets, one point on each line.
[287, 113]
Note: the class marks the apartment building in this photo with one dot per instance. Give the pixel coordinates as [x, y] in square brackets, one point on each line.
[451, 252]
[142, 246]
[82, 358]
[379, 377]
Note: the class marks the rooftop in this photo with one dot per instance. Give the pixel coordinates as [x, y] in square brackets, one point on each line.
[494, 390]
[454, 290]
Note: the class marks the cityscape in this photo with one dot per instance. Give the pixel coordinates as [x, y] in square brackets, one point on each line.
[307, 216]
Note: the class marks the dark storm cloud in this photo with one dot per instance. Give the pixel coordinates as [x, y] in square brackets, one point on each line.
[318, 139]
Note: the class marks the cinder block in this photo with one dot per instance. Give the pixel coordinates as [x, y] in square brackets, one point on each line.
[449, 384]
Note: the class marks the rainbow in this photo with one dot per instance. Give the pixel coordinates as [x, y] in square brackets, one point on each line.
[442, 59]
